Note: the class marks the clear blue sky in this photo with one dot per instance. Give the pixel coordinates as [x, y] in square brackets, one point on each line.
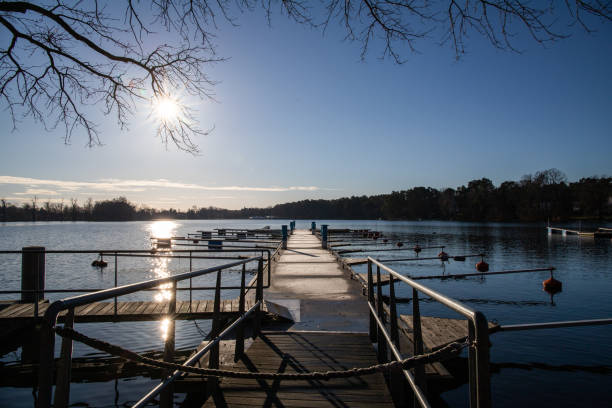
[300, 116]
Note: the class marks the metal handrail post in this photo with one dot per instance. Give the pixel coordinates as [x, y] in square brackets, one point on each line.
[239, 347]
[115, 300]
[259, 297]
[64, 367]
[167, 395]
[373, 327]
[483, 379]
[380, 340]
[417, 337]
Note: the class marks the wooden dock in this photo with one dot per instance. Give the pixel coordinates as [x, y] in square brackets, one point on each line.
[134, 311]
[302, 352]
[328, 332]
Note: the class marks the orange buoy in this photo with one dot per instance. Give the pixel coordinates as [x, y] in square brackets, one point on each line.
[552, 286]
[443, 256]
[482, 266]
[417, 248]
[400, 244]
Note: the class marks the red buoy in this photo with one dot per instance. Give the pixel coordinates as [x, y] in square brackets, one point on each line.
[482, 266]
[417, 248]
[443, 256]
[400, 244]
[552, 286]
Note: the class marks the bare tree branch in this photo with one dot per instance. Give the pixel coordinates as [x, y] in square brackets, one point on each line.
[59, 59]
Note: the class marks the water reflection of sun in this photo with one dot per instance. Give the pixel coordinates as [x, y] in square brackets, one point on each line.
[163, 229]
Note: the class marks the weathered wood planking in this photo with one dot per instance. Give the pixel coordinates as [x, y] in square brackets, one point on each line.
[306, 352]
[127, 311]
[437, 332]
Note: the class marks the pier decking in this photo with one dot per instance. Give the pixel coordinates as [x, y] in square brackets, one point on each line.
[329, 332]
[132, 311]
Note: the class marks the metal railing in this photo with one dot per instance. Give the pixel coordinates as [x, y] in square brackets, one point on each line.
[478, 338]
[47, 332]
[140, 253]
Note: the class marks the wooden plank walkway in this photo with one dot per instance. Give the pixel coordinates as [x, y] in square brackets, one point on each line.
[127, 311]
[305, 352]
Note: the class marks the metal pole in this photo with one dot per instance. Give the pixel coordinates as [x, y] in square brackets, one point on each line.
[259, 297]
[284, 234]
[167, 395]
[190, 282]
[482, 360]
[115, 299]
[393, 313]
[324, 236]
[64, 366]
[239, 347]
[419, 372]
[382, 346]
[371, 301]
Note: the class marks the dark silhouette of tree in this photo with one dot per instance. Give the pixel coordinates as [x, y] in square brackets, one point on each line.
[545, 195]
[59, 57]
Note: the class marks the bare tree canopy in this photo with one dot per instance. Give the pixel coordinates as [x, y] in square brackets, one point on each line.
[59, 58]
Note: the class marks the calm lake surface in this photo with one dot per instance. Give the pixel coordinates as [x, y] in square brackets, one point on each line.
[558, 367]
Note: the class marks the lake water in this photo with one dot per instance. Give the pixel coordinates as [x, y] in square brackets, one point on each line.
[561, 367]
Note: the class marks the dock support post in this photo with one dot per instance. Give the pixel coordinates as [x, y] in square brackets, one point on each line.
[324, 236]
[292, 226]
[284, 230]
[33, 285]
[166, 398]
[32, 274]
[64, 367]
[313, 227]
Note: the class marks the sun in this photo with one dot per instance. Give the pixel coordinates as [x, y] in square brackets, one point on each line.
[166, 108]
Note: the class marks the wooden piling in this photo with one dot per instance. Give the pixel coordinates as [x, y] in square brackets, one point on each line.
[32, 274]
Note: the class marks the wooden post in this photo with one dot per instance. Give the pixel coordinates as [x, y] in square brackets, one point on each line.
[382, 345]
[33, 285]
[32, 274]
[166, 398]
[64, 367]
[313, 227]
[373, 328]
[417, 337]
[239, 348]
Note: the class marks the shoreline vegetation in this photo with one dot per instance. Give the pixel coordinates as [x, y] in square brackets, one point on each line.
[544, 195]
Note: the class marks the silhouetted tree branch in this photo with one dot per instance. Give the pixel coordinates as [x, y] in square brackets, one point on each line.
[59, 57]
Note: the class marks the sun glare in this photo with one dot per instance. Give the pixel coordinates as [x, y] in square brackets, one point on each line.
[163, 229]
[167, 109]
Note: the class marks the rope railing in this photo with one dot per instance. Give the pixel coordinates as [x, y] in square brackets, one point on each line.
[449, 351]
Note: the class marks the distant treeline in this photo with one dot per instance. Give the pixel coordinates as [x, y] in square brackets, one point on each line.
[544, 195]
